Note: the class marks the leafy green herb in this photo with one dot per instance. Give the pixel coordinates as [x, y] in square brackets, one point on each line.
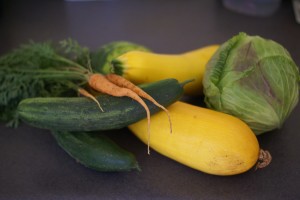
[40, 69]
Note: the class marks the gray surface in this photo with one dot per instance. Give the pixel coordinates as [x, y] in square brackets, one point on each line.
[32, 166]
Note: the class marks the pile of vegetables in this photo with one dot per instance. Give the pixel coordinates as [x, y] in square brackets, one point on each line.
[250, 86]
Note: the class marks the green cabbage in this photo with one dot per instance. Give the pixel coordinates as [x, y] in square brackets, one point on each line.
[254, 79]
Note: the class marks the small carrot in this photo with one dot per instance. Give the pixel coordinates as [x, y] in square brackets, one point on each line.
[101, 84]
[122, 82]
[87, 94]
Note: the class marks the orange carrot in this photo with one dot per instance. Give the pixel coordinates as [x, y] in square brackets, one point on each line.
[122, 82]
[87, 94]
[100, 83]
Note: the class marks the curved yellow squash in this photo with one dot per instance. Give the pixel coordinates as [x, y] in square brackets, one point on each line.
[144, 67]
[203, 139]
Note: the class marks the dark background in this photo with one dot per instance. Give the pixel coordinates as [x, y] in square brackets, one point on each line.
[33, 166]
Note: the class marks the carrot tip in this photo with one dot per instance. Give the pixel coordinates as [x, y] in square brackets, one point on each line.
[88, 95]
[99, 106]
[167, 112]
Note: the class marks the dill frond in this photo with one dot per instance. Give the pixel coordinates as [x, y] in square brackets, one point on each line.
[39, 70]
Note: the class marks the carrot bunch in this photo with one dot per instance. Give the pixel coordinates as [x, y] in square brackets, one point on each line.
[118, 86]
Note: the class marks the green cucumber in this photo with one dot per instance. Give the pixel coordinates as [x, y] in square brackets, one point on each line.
[96, 151]
[101, 59]
[82, 114]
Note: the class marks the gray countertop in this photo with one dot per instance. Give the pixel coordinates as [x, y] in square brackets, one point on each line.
[33, 166]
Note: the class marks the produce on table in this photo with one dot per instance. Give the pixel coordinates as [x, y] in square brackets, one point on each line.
[210, 141]
[101, 58]
[96, 151]
[44, 81]
[144, 67]
[254, 79]
[81, 114]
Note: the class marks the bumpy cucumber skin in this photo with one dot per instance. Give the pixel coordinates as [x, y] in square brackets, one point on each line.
[96, 151]
[82, 114]
[101, 59]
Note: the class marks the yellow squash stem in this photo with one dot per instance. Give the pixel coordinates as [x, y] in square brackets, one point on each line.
[203, 139]
[144, 67]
